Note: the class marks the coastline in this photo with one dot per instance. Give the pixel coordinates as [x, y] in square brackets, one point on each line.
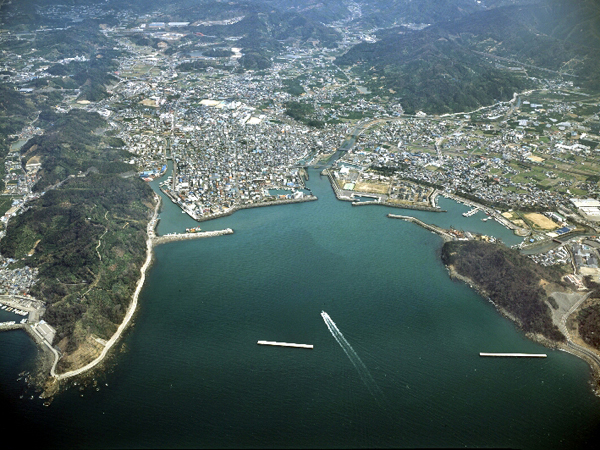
[130, 310]
[589, 356]
[308, 198]
[345, 198]
[51, 356]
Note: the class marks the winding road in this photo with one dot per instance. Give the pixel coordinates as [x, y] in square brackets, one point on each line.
[573, 347]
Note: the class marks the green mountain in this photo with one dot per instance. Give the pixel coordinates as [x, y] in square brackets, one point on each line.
[455, 65]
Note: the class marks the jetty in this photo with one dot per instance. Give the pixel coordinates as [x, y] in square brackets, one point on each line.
[515, 355]
[187, 236]
[284, 344]
[434, 229]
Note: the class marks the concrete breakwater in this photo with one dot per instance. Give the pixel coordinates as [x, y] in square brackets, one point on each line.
[11, 325]
[187, 236]
[395, 205]
[442, 232]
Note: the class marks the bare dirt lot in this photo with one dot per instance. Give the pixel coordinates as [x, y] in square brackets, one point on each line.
[541, 221]
[376, 188]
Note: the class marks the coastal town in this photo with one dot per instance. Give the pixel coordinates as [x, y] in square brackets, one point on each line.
[231, 140]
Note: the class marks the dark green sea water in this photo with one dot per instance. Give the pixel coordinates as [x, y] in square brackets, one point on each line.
[189, 373]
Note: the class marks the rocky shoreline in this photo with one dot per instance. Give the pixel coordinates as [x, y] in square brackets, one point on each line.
[535, 337]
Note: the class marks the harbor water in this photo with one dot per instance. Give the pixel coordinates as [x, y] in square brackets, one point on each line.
[396, 343]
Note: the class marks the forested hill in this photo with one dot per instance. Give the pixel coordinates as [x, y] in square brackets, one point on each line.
[511, 280]
[86, 234]
[383, 13]
[87, 239]
[443, 68]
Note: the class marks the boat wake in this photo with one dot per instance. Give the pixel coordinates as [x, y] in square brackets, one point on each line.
[363, 372]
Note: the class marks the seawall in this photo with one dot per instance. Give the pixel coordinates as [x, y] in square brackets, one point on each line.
[394, 205]
[229, 212]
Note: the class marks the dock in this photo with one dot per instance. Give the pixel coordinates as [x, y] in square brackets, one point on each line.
[470, 213]
[515, 355]
[284, 344]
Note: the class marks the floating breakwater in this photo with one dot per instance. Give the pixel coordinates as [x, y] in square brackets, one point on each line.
[285, 344]
[514, 355]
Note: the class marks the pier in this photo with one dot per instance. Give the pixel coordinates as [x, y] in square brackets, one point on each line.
[470, 213]
[515, 355]
[284, 344]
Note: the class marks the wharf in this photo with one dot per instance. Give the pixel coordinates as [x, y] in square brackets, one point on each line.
[284, 344]
[515, 355]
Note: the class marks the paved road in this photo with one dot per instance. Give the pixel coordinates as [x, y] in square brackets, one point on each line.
[562, 326]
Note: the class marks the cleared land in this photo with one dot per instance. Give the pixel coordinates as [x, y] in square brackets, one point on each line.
[541, 221]
[376, 188]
